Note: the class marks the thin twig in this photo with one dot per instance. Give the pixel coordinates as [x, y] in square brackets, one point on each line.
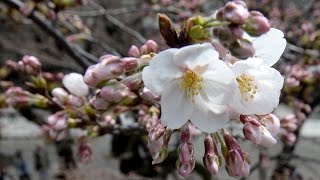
[37, 19]
[119, 24]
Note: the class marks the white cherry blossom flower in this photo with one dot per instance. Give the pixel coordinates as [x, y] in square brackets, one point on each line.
[194, 85]
[258, 89]
[269, 46]
[74, 83]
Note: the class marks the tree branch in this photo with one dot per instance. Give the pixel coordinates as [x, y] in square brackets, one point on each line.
[70, 48]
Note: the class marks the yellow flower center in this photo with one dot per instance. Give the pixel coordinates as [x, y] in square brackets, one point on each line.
[247, 85]
[191, 83]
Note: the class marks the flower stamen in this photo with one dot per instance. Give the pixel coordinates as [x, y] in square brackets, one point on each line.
[191, 83]
[248, 87]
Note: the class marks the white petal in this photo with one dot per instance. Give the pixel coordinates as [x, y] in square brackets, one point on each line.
[270, 46]
[208, 117]
[175, 106]
[267, 140]
[195, 55]
[74, 83]
[269, 82]
[219, 82]
[161, 71]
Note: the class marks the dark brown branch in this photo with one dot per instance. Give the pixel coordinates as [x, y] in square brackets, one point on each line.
[37, 19]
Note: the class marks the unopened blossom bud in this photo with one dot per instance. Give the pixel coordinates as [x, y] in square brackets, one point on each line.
[58, 121]
[227, 34]
[114, 93]
[290, 122]
[89, 77]
[84, 151]
[75, 101]
[31, 64]
[144, 49]
[134, 52]
[211, 158]
[99, 103]
[254, 131]
[271, 122]
[152, 46]
[148, 96]
[256, 24]
[107, 120]
[242, 49]
[130, 63]
[74, 83]
[236, 12]
[156, 131]
[245, 170]
[60, 94]
[16, 96]
[186, 162]
[289, 138]
[133, 82]
[158, 148]
[12, 65]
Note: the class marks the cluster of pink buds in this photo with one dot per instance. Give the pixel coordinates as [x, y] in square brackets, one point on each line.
[238, 19]
[297, 74]
[57, 126]
[149, 47]
[262, 129]
[17, 97]
[29, 65]
[62, 97]
[148, 117]
[237, 161]
[84, 150]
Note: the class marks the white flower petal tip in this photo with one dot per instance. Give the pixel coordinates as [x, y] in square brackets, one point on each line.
[194, 84]
[74, 83]
[269, 47]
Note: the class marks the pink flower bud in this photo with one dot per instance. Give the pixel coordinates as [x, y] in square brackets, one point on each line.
[252, 131]
[236, 12]
[75, 100]
[271, 122]
[289, 138]
[156, 131]
[211, 158]
[158, 148]
[115, 93]
[31, 65]
[134, 51]
[234, 162]
[58, 121]
[89, 78]
[144, 49]
[257, 24]
[130, 63]
[12, 65]
[99, 103]
[245, 170]
[109, 68]
[148, 96]
[107, 120]
[16, 96]
[133, 82]
[60, 94]
[85, 152]
[152, 46]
